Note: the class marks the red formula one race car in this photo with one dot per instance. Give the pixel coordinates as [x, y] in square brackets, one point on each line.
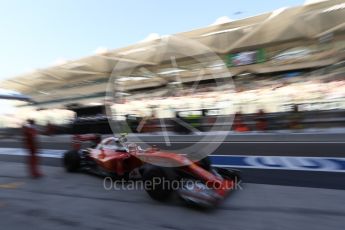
[196, 183]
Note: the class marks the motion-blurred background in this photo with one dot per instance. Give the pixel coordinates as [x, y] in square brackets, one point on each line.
[268, 79]
[286, 72]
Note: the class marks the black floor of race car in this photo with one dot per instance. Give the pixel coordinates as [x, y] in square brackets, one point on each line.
[69, 201]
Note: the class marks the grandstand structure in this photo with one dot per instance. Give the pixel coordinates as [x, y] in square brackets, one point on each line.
[305, 40]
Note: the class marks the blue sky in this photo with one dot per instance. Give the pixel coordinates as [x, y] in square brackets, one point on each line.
[36, 33]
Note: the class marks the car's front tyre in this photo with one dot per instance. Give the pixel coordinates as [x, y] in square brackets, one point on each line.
[157, 183]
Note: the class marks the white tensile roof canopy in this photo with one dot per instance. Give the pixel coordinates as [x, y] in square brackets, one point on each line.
[90, 74]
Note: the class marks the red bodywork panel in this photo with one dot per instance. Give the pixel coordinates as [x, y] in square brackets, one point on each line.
[115, 161]
[121, 162]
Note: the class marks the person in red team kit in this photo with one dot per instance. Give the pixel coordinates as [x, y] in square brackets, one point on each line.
[30, 140]
[239, 124]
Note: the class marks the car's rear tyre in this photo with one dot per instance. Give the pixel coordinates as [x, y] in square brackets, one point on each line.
[71, 161]
[157, 182]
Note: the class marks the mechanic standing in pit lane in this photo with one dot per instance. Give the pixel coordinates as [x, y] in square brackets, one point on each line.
[30, 141]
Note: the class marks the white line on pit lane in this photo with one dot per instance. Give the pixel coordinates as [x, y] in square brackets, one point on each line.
[275, 168]
[51, 153]
[242, 142]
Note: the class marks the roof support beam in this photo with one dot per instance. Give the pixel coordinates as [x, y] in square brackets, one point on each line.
[44, 72]
[127, 60]
[340, 26]
[85, 72]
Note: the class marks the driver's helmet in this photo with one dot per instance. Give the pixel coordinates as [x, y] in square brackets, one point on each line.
[120, 146]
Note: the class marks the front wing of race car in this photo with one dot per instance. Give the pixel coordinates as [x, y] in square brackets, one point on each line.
[209, 193]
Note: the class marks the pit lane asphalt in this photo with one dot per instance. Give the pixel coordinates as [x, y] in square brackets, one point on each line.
[332, 180]
[77, 201]
[312, 179]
